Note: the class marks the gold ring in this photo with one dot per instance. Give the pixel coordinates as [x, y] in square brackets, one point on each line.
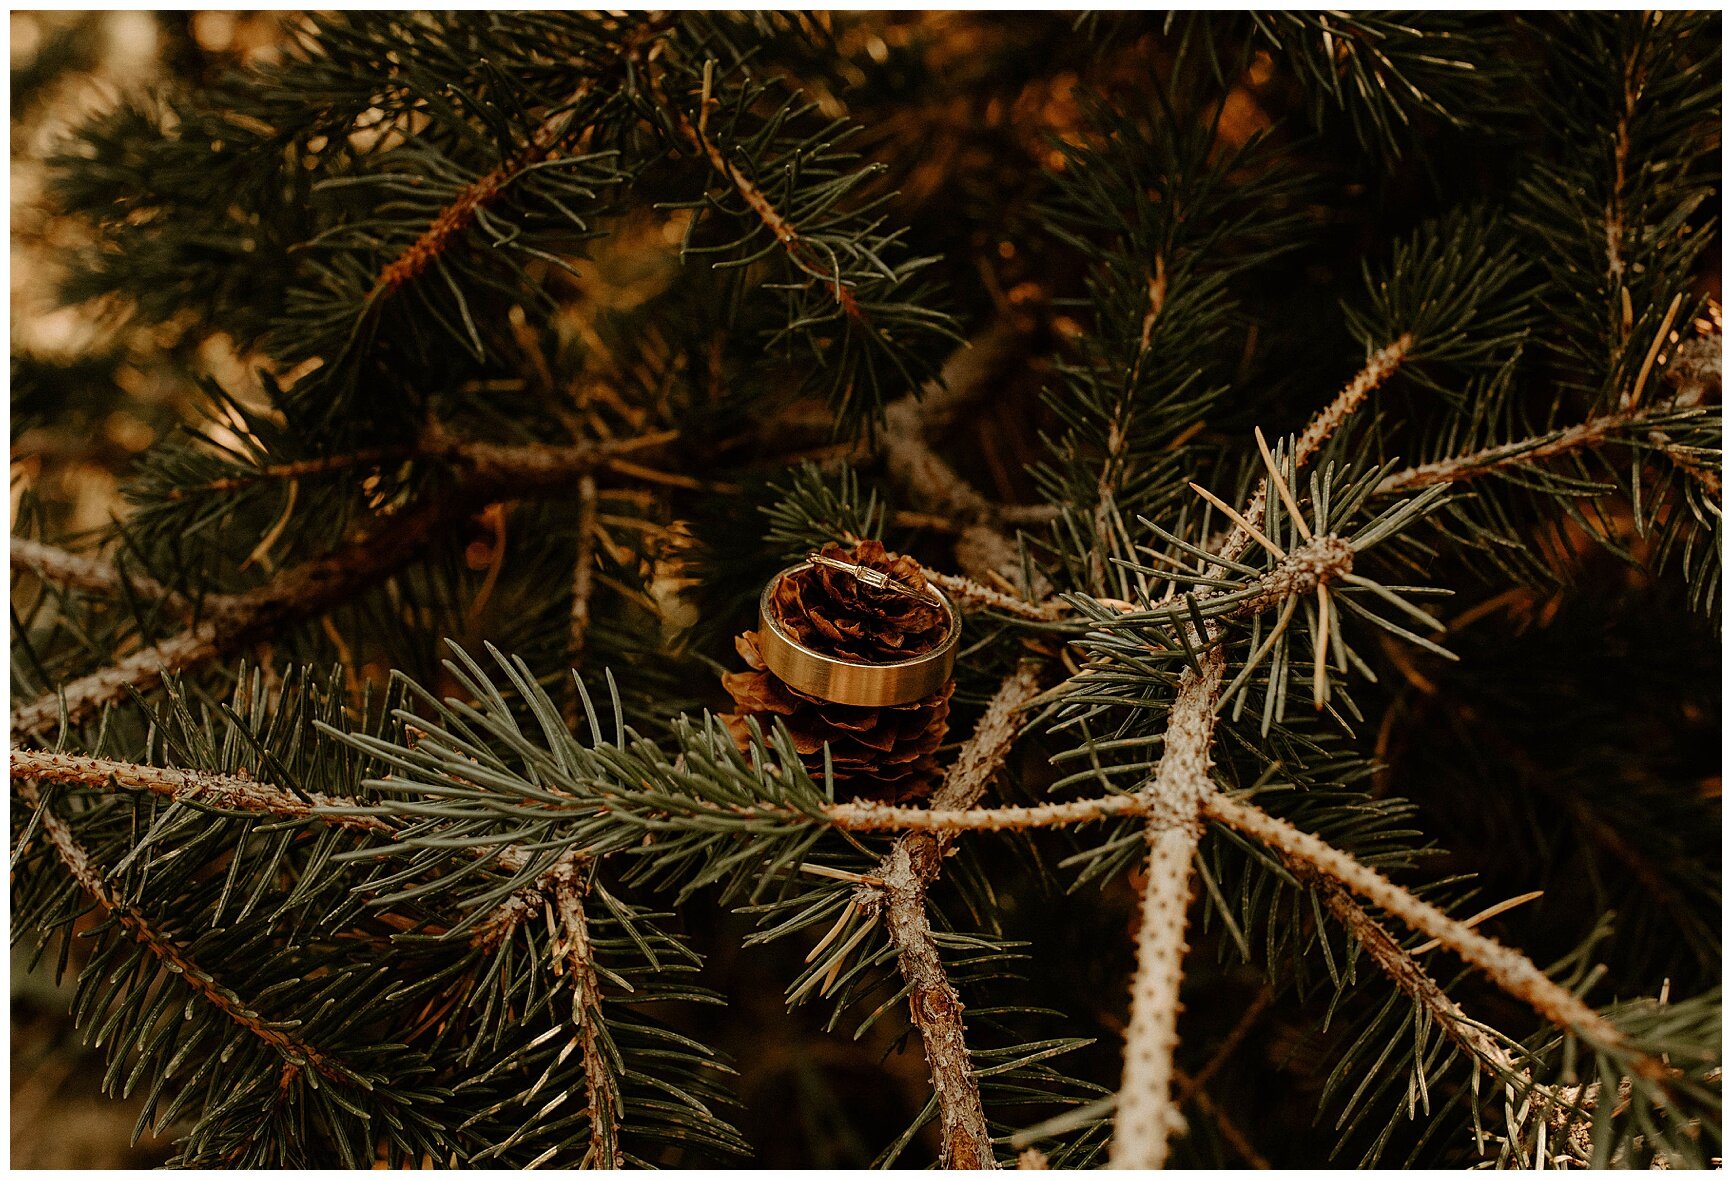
[847, 682]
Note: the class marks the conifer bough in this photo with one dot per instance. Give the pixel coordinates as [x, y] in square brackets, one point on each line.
[1198, 359]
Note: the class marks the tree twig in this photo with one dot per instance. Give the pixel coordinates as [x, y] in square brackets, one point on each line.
[82, 571]
[933, 1004]
[1147, 1115]
[485, 471]
[575, 953]
[298, 469]
[1118, 432]
[582, 580]
[969, 594]
[781, 228]
[227, 792]
[457, 216]
[1406, 972]
[1506, 967]
[984, 754]
[297, 1053]
[907, 872]
[1511, 970]
[882, 817]
[1594, 432]
[247, 795]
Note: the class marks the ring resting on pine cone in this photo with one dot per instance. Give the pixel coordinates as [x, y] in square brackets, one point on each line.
[922, 627]
[853, 665]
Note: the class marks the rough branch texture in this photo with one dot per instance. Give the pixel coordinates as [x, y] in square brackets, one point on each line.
[486, 472]
[575, 955]
[1461, 468]
[1328, 868]
[1406, 972]
[226, 792]
[934, 1006]
[80, 571]
[1147, 1116]
[913, 864]
[240, 793]
[1509, 969]
[297, 1054]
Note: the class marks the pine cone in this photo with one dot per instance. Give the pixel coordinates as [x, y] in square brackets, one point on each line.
[838, 615]
[883, 753]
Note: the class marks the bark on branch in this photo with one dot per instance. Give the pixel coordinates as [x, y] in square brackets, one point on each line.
[247, 795]
[226, 792]
[1147, 1114]
[799, 252]
[1511, 970]
[297, 1054]
[934, 1005]
[81, 571]
[575, 954]
[484, 472]
[1406, 972]
[1596, 431]
[907, 872]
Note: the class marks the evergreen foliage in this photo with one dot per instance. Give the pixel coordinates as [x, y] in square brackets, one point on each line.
[1347, 588]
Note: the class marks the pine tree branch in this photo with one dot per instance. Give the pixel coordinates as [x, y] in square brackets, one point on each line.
[907, 872]
[583, 573]
[242, 793]
[1118, 433]
[968, 594]
[1406, 972]
[485, 471]
[1379, 367]
[552, 136]
[297, 469]
[1512, 971]
[296, 1053]
[1147, 1115]
[1507, 968]
[983, 755]
[560, 889]
[934, 1006]
[576, 954]
[81, 571]
[881, 817]
[227, 792]
[1597, 431]
[780, 226]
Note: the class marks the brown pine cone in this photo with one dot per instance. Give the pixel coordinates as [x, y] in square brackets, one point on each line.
[883, 753]
[837, 614]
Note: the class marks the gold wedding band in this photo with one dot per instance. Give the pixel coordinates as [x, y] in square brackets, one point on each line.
[847, 682]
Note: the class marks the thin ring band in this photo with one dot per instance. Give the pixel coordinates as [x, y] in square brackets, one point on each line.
[847, 682]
